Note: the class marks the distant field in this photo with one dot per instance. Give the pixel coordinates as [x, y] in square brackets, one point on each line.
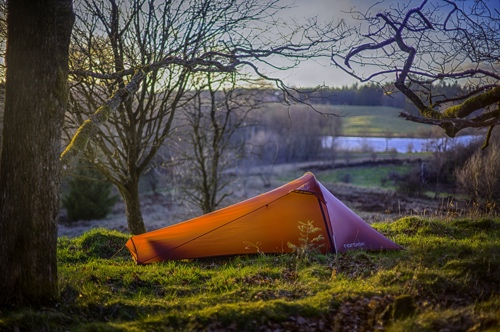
[370, 121]
[362, 175]
[376, 121]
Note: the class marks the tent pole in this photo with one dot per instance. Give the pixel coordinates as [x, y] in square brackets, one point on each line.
[328, 230]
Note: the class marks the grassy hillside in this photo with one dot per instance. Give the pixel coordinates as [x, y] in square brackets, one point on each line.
[372, 176]
[371, 121]
[377, 121]
[446, 279]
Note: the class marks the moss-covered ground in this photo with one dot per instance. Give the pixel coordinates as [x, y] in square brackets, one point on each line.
[447, 279]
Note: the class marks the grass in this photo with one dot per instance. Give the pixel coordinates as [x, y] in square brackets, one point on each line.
[379, 121]
[446, 279]
[364, 176]
[368, 121]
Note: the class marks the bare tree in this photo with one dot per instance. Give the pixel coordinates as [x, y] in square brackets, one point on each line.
[147, 51]
[35, 103]
[213, 122]
[433, 42]
[108, 37]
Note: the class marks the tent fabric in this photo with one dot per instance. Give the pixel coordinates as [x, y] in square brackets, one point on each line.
[265, 223]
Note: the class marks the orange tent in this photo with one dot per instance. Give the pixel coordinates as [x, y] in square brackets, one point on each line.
[267, 222]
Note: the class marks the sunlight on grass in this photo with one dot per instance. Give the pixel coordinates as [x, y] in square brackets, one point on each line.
[376, 121]
[448, 275]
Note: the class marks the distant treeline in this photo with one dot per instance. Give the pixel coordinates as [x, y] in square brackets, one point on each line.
[375, 95]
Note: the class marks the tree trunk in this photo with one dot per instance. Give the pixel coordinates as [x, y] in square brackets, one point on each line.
[35, 102]
[130, 194]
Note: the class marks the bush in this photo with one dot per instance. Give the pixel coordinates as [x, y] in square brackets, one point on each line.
[479, 178]
[89, 196]
[346, 178]
[411, 183]
[442, 166]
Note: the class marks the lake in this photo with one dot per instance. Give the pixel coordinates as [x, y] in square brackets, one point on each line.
[399, 144]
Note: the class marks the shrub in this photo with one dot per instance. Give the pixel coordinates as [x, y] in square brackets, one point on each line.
[442, 166]
[392, 178]
[346, 178]
[411, 183]
[89, 196]
[479, 178]
[308, 242]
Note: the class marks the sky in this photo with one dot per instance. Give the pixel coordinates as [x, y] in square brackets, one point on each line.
[314, 73]
[320, 72]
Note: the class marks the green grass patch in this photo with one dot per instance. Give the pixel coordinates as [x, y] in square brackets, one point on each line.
[379, 121]
[364, 176]
[365, 121]
[445, 279]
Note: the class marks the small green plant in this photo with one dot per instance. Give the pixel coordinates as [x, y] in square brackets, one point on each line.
[89, 196]
[308, 244]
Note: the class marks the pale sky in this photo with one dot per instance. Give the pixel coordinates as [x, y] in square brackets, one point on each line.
[322, 72]
[314, 73]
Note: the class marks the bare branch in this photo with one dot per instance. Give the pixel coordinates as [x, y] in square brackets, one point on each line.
[169, 43]
[433, 43]
[86, 131]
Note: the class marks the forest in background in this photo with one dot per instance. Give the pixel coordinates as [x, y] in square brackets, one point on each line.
[355, 95]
